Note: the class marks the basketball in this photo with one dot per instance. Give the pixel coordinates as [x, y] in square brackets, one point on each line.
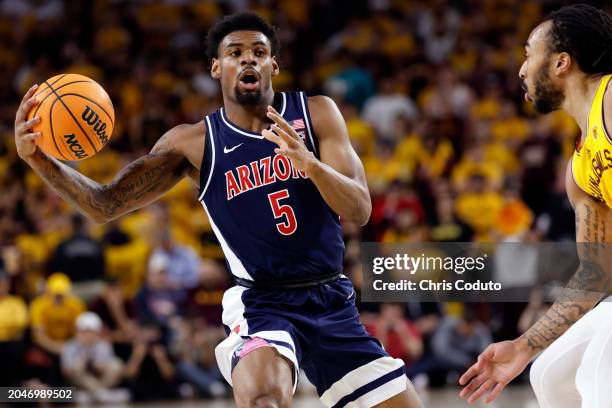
[77, 117]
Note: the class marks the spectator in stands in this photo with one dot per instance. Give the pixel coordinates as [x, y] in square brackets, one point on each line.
[80, 257]
[52, 318]
[449, 97]
[458, 341]
[117, 312]
[398, 197]
[540, 160]
[158, 302]
[398, 335]
[438, 27]
[130, 339]
[382, 109]
[426, 317]
[182, 263]
[479, 206]
[54, 313]
[406, 227]
[149, 371]
[354, 83]
[89, 362]
[448, 227]
[204, 301]
[13, 322]
[158, 309]
[196, 364]
[114, 235]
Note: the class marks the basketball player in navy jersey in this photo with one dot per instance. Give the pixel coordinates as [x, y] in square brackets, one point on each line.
[275, 171]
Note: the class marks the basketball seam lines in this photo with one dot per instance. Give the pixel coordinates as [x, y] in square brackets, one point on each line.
[51, 126]
[78, 124]
[92, 101]
[57, 80]
[48, 87]
[53, 136]
[59, 98]
[60, 87]
[50, 119]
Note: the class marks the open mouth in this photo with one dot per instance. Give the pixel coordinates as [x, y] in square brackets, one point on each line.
[526, 91]
[249, 80]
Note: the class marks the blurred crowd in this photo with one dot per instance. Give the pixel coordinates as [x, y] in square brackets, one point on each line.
[434, 107]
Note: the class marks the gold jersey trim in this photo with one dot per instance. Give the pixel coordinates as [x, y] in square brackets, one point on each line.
[593, 146]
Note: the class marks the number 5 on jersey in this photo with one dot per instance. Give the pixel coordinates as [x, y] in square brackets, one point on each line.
[289, 225]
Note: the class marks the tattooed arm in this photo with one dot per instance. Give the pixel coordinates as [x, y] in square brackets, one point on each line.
[138, 184]
[135, 186]
[591, 281]
[501, 362]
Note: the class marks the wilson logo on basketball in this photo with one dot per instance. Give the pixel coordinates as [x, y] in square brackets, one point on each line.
[92, 119]
[75, 146]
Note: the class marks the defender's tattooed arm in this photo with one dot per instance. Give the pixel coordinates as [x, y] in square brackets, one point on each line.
[501, 362]
[588, 285]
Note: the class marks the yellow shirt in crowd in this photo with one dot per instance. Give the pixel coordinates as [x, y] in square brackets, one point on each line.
[479, 210]
[57, 319]
[13, 317]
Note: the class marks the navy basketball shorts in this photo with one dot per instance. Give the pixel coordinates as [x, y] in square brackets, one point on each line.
[318, 330]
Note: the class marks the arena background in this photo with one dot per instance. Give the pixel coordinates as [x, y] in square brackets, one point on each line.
[432, 100]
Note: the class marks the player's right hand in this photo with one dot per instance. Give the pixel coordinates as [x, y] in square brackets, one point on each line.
[25, 139]
[499, 364]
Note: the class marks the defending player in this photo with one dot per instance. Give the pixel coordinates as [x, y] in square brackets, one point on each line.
[568, 66]
[275, 171]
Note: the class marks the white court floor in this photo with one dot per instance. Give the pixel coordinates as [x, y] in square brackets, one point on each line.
[513, 397]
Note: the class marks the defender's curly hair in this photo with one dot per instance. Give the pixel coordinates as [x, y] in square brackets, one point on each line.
[585, 33]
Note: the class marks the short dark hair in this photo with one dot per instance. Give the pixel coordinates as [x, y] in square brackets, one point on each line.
[585, 33]
[247, 21]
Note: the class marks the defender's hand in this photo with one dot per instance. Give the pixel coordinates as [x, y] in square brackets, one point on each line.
[289, 142]
[24, 138]
[499, 364]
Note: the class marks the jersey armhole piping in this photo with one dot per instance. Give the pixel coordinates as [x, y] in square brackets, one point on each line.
[209, 137]
[574, 178]
[313, 139]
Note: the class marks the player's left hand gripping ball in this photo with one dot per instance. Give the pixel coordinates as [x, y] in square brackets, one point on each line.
[289, 142]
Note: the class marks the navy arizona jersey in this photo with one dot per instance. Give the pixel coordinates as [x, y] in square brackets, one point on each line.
[270, 219]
